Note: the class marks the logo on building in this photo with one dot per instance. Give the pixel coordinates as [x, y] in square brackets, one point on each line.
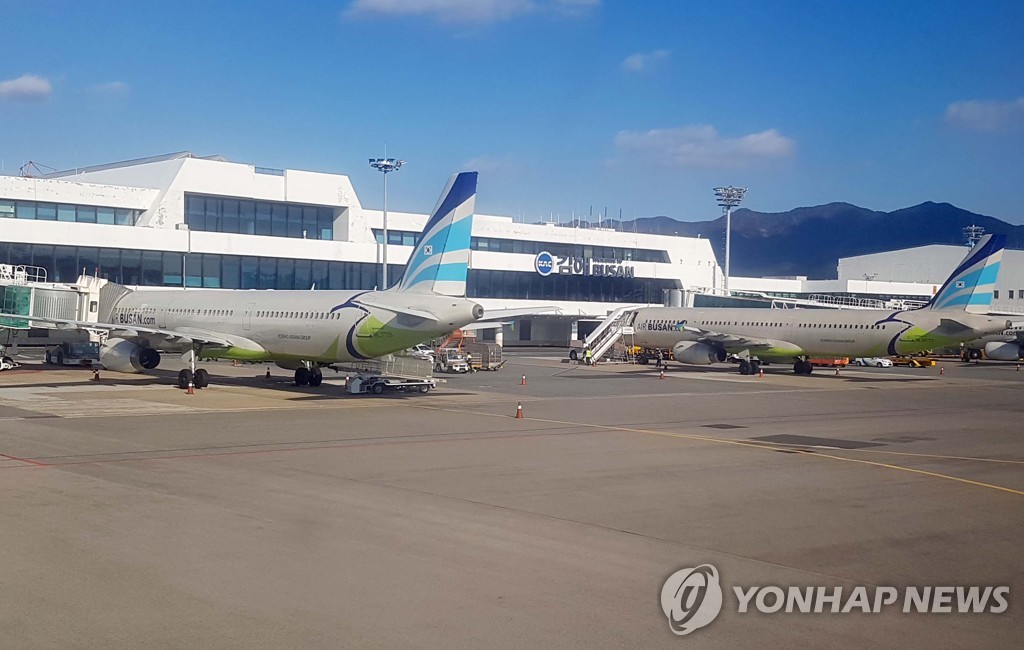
[545, 263]
[691, 598]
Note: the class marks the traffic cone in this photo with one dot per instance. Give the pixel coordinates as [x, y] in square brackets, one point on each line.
[837, 371]
[1018, 367]
[268, 373]
[95, 374]
[760, 374]
[662, 375]
[522, 382]
[519, 411]
[942, 370]
[191, 390]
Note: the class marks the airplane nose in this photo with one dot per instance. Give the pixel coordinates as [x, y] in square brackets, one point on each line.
[478, 312]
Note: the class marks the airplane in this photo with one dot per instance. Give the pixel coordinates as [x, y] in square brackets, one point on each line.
[1008, 345]
[298, 330]
[705, 336]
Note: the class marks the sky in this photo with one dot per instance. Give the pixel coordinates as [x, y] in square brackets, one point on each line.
[565, 107]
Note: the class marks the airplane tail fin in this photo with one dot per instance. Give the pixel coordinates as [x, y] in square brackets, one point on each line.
[970, 286]
[440, 262]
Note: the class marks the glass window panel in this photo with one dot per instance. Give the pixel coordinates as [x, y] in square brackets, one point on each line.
[268, 272]
[229, 216]
[211, 271]
[247, 217]
[193, 270]
[25, 210]
[378, 235]
[152, 268]
[263, 219]
[6, 209]
[336, 275]
[250, 272]
[88, 260]
[86, 214]
[20, 254]
[325, 221]
[105, 215]
[212, 215]
[319, 278]
[309, 223]
[303, 274]
[231, 267]
[294, 221]
[285, 274]
[368, 273]
[46, 211]
[131, 267]
[172, 270]
[42, 255]
[279, 220]
[110, 263]
[394, 238]
[65, 263]
[124, 217]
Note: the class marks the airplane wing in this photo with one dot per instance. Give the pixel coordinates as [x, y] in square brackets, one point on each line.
[501, 314]
[730, 342]
[172, 337]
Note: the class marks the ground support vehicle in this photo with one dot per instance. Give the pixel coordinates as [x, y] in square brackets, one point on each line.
[913, 362]
[84, 353]
[391, 374]
[450, 360]
[483, 356]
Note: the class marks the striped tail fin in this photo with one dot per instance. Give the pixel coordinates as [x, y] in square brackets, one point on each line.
[970, 286]
[440, 262]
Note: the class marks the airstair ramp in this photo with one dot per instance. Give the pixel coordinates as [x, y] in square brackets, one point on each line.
[609, 331]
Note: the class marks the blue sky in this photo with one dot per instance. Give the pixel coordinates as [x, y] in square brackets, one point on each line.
[562, 105]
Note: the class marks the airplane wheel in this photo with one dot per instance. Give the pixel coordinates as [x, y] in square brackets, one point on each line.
[184, 378]
[316, 377]
[201, 378]
[755, 367]
[744, 367]
[302, 376]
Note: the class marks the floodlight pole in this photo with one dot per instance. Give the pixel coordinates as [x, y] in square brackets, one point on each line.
[728, 198]
[385, 165]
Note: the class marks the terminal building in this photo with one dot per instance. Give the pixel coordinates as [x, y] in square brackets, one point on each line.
[182, 221]
[186, 221]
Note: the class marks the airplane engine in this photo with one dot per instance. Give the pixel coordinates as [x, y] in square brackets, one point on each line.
[1003, 351]
[122, 355]
[697, 354]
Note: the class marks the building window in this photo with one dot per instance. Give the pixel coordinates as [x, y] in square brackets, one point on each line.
[41, 211]
[1009, 294]
[245, 217]
[995, 294]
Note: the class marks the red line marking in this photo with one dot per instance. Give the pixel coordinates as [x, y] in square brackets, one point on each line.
[24, 460]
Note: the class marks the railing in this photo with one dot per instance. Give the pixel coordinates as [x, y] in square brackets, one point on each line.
[21, 274]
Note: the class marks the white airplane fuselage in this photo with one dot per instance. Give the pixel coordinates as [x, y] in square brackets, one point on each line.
[816, 332]
[314, 326]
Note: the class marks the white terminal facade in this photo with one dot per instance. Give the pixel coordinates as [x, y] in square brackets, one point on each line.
[185, 221]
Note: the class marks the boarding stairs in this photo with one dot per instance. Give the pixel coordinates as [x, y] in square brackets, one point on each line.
[610, 331]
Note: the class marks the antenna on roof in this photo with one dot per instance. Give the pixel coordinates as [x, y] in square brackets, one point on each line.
[31, 169]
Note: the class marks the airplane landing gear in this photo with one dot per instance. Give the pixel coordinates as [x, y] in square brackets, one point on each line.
[803, 367]
[308, 376]
[750, 366]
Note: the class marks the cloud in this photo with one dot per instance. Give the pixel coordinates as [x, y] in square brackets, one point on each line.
[464, 11]
[640, 61]
[986, 114]
[26, 88]
[702, 146]
[111, 89]
[492, 165]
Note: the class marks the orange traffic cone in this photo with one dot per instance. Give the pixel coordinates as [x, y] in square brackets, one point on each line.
[837, 371]
[519, 411]
[191, 388]
[522, 382]
[268, 373]
[95, 374]
[942, 370]
[761, 374]
[662, 375]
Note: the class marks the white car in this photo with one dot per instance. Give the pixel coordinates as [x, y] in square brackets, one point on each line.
[878, 362]
[421, 351]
